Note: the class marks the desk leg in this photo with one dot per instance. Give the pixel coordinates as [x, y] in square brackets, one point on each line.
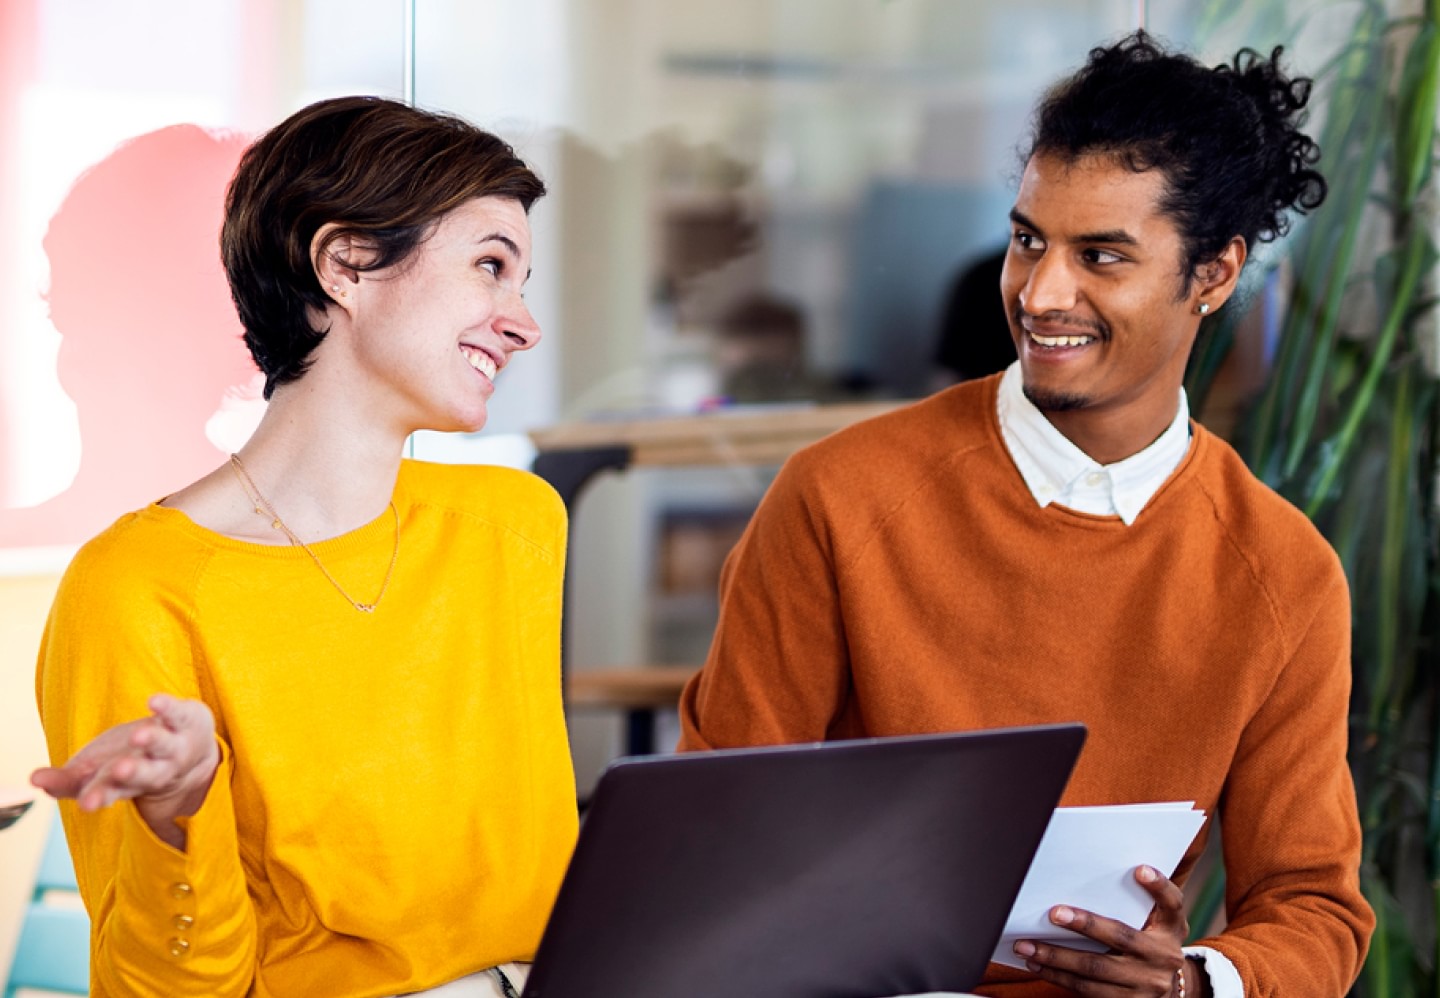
[567, 471]
[640, 731]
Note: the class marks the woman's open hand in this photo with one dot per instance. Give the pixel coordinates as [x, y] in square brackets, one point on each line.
[164, 762]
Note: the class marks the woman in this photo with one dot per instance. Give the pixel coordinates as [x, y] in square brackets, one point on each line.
[308, 707]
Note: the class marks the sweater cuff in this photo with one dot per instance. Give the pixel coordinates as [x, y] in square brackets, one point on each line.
[182, 909]
[1224, 978]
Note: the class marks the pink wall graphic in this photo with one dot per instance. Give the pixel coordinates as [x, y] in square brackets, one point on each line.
[150, 343]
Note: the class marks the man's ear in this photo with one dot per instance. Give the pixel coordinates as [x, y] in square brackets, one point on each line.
[1215, 281]
[335, 257]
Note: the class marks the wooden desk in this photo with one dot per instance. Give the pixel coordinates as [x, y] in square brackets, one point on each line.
[634, 687]
[571, 454]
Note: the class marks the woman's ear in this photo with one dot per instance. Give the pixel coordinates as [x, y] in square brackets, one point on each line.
[1215, 281]
[335, 256]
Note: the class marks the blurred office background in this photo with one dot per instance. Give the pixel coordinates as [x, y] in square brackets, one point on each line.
[753, 202]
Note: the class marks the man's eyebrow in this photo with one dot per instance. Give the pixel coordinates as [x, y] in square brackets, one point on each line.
[1117, 237]
[1018, 217]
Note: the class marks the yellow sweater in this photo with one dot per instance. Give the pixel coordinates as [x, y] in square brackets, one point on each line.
[395, 805]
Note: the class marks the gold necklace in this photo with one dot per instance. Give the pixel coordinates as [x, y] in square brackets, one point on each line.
[263, 508]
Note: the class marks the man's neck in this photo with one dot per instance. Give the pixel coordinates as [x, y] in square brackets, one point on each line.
[1109, 435]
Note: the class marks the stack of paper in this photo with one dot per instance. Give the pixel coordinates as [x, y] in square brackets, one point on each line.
[1087, 860]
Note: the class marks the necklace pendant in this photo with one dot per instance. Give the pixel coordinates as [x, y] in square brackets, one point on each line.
[365, 607]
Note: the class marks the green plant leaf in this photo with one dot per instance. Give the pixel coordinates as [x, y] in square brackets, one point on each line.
[1415, 134]
[1419, 256]
[1392, 948]
[1355, 189]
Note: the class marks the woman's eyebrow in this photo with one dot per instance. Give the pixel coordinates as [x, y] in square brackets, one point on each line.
[504, 240]
[509, 244]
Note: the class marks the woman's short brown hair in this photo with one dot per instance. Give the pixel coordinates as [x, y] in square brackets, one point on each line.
[380, 171]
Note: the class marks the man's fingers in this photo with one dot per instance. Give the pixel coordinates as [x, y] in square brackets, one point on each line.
[1169, 899]
[1089, 973]
[1107, 931]
[1081, 971]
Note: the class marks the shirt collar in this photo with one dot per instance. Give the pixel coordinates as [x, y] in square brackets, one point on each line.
[1055, 470]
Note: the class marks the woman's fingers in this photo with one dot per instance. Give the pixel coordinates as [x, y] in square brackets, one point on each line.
[148, 757]
[121, 777]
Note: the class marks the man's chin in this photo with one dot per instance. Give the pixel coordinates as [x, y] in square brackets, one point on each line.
[1054, 400]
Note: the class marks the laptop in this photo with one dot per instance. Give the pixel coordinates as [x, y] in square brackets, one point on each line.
[854, 869]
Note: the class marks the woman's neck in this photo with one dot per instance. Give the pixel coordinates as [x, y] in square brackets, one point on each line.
[326, 475]
[322, 470]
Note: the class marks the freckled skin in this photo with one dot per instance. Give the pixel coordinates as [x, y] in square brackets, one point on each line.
[411, 326]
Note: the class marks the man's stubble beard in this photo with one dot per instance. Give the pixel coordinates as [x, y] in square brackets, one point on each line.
[1054, 401]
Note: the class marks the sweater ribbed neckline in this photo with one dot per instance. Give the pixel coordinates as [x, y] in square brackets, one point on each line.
[379, 532]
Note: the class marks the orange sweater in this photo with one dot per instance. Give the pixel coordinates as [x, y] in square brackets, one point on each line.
[900, 578]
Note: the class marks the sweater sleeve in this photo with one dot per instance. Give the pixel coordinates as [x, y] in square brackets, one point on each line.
[778, 669]
[163, 922]
[1297, 921]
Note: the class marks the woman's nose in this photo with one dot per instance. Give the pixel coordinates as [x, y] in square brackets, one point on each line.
[518, 326]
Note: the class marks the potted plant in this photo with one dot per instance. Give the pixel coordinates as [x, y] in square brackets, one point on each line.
[1346, 428]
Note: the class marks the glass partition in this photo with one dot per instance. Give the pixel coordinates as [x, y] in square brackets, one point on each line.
[753, 203]
[122, 375]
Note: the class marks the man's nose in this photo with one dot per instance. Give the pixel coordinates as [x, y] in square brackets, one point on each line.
[1050, 286]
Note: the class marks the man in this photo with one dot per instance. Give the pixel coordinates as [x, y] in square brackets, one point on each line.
[1061, 543]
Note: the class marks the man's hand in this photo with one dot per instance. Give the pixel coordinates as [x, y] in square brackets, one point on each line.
[165, 762]
[1140, 961]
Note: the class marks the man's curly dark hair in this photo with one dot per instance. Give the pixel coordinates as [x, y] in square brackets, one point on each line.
[1228, 139]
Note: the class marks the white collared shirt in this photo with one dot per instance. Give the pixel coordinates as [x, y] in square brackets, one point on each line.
[1055, 470]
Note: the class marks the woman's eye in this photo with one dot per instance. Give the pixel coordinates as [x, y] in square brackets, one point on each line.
[492, 265]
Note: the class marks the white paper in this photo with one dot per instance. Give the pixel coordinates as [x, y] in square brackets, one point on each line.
[1087, 860]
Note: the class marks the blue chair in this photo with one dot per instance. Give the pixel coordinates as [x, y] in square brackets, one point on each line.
[54, 949]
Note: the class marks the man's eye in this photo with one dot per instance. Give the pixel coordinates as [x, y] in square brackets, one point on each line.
[1027, 240]
[1099, 256]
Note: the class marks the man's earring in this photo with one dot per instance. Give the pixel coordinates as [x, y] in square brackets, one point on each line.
[1203, 308]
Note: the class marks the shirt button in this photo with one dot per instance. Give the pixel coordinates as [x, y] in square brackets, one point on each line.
[1095, 479]
[181, 891]
[179, 947]
[183, 922]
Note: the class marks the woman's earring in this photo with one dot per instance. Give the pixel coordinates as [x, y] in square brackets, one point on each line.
[1203, 308]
